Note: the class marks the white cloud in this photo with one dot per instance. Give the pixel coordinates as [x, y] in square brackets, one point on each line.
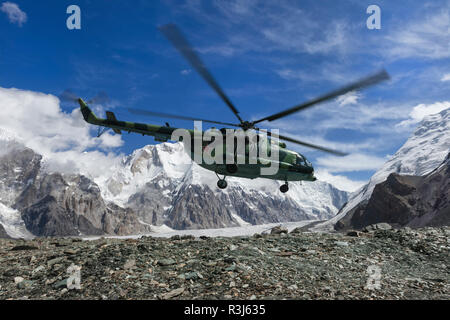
[185, 72]
[349, 98]
[63, 139]
[446, 77]
[350, 163]
[426, 37]
[340, 182]
[264, 26]
[422, 110]
[15, 15]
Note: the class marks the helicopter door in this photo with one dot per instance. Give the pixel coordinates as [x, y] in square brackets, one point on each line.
[242, 158]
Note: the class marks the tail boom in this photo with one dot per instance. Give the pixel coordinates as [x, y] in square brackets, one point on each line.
[161, 133]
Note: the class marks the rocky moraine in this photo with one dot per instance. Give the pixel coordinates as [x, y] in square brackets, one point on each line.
[377, 264]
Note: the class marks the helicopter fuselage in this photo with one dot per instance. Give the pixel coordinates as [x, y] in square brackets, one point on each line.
[291, 165]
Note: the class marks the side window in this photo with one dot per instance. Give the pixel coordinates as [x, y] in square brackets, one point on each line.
[247, 146]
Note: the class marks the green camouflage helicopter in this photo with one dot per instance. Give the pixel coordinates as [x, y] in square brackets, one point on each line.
[291, 165]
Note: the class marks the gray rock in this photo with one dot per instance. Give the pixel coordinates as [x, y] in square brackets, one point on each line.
[24, 284]
[130, 264]
[278, 230]
[61, 284]
[173, 293]
[38, 269]
[166, 262]
[377, 226]
[18, 280]
[354, 233]
[192, 275]
[55, 261]
[24, 247]
[3, 233]
[187, 237]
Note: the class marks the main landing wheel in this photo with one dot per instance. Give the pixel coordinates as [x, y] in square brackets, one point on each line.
[222, 184]
[284, 188]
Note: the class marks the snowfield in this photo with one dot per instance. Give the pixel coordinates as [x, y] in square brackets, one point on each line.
[249, 230]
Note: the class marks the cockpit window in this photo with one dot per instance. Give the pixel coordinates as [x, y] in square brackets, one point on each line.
[300, 160]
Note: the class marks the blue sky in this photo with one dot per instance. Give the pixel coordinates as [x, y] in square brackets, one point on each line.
[267, 56]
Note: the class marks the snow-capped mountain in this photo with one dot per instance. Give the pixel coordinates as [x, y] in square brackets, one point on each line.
[15, 172]
[422, 153]
[164, 186]
[155, 186]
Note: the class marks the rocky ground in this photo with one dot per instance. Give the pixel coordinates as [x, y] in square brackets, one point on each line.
[413, 264]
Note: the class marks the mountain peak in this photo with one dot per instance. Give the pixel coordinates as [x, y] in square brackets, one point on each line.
[423, 152]
[158, 176]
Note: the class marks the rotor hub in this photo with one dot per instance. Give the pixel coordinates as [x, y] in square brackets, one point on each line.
[246, 125]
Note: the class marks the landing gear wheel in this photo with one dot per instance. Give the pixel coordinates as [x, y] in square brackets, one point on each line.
[222, 184]
[284, 188]
[231, 168]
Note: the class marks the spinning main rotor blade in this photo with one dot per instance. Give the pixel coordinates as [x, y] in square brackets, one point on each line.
[100, 98]
[68, 96]
[166, 115]
[363, 83]
[174, 35]
[309, 145]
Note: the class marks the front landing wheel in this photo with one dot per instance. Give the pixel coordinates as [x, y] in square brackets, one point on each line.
[284, 188]
[222, 184]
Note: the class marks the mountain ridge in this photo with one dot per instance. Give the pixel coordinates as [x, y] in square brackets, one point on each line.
[157, 185]
[420, 155]
[405, 201]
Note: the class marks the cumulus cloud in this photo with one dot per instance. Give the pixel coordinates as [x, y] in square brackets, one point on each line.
[422, 110]
[63, 139]
[185, 72]
[15, 15]
[339, 181]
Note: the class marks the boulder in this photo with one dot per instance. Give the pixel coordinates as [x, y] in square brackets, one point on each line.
[278, 230]
[377, 226]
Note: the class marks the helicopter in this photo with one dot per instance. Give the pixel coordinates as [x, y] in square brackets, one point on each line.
[291, 165]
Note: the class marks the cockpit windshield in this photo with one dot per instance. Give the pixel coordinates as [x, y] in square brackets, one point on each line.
[308, 163]
[300, 160]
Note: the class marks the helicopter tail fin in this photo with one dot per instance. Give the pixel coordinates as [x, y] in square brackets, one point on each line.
[88, 115]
